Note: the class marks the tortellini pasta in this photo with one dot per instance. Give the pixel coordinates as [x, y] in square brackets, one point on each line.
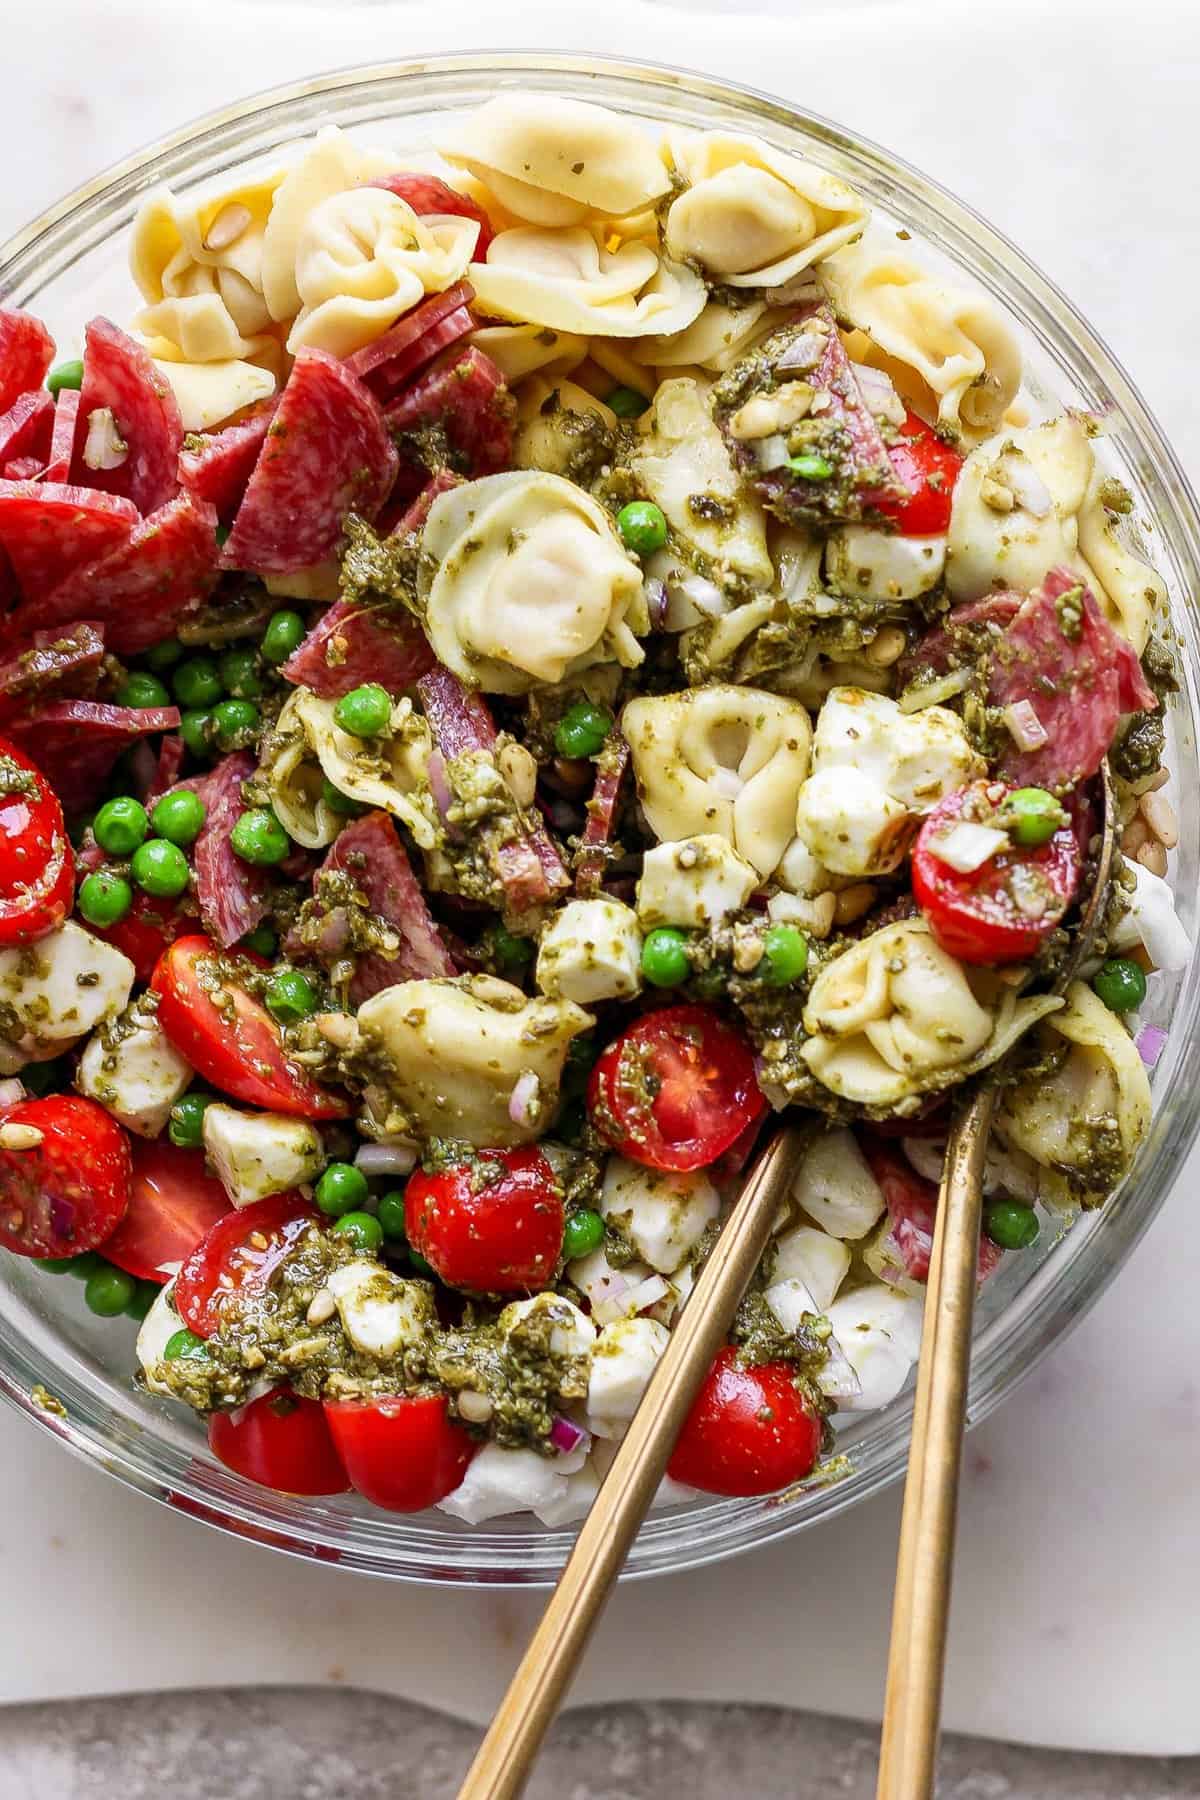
[937, 342]
[199, 268]
[567, 280]
[714, 340]
[1086, 1120]
[522, 350]
[1131, 592]
[752, 215]
[531, 584]
[288, 765]
[562, 429]
[553, 161]
[207, 393]
[894, 1016]
[452, 1051]
[388, 772]
[721, 759]
[363, 258]
[331, 164]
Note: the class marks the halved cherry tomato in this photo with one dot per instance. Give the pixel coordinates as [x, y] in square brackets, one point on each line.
[494, 1225]
[281, 1441]
[239, 1255]
[65, 1194]
[232, 1040]
[403, 1454]
[37, 869]
[676, 1089]
[750, 1431]
[145, 932]
[173, 1202]
[1005, 910]
[929, 469]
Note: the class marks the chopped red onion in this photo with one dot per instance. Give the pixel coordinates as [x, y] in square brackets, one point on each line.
[170, 1269]
[566, 1436]
[802, 354]
[386, 1159]
[1149, 1044]
[524, 1101]
[879, 393]
[1025, 728]
[656, 603]
[439, 787]
[1028, 487]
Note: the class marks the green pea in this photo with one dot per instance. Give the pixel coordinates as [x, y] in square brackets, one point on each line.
[178, 817]
[235, 723]
[390, 1214]
[810, 468]
[341, 1189]
[1121, 984]
[185, 1346]
[511, 953]
[164, 655]
[583, 1233]
[291, 996]
[69, 1265]
[85, 1266]
[1010, 1224]
[364, 711]
[160, 868]
[785, 955]
[238, 669]
[197, 683]
[284, 634]
[108, 1291]
[104, 898]
[65, 375]
[421, 1267]
[340, 803]
[665, 959]
[258, 837]
[142, 691]
[185, 1126]
[582, 730]
[1035, 816]
[643, 527]
[627, 403]
[362, 1228]
[195, 728]
[121, 825]
[144, 1296]
[262, 940]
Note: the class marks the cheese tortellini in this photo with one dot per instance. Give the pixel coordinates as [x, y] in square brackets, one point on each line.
[331, 163]
[752, 215]
[566, 279]
[714, 340]
[531, 584]
[288, 764]
[387, 772]
[198, 266]
[895, 1016]
[522, 350]
[721, 759]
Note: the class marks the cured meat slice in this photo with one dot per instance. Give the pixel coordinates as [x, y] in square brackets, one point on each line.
[460, 718]
[370, 852]
[327, 453]
[215, 466]
[1078, 674]
[353, 643]
[49, 529]
[901, 1251]
[960, 638]
[76, 742]
[414, 340]
[36, 665]
[171, 753]
[62, 436]
[25, 430]
[144, 588]
[596, 844]
[464, 394]
[23, 468]
[119, 375]
[406, 512]
[430, 194]
[26, 352]
[234, 896]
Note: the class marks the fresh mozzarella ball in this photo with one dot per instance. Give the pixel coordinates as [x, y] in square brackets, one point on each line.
[257, 1154]
[1152, 921]
[663, 1215]
[835, 1187]
[818, 1259]
[591, 950]
[694, 883]
[790, 1300]
[879, 1332]
[154, 1334]
[381, 1313]
[575, 1501]
[881, 565]
[501, 1480]
[54, 992]
[851, 824]
[623, 1361]
[572, 1333]
[131, 1068]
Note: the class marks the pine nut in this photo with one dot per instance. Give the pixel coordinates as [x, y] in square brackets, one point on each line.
[519, 771]
[1159, 815]
[1153, 857]
[322, 1307]
[886, 647]
[853, 902]
[20, 1137]
[228, 226]
[475, 1408]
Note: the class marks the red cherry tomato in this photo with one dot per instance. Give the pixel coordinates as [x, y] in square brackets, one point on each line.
[281, 1441]
[147, 929]
[750, 1431]
[37, 870]
[65, 1194]
[494, 1225]
[232, 1040]
[403, 1454]
[173, 1202]
[1004, 911]
[676, 1089]
[238, 1255]
[929, 469]
[430, 194]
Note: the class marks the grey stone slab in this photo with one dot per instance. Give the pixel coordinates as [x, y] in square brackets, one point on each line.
[305, 1744]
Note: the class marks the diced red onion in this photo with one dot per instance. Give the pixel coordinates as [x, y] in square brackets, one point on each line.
[1028, 486]
[1149, 1044]
[802, 354]
[170, 1269]
[439, 787]
[656, 603]
[386, 1159]
[879, 393]
[1024, 726]
[704, 595]
[566, 1436]
[523, 1104]
[966, 846]
[11, 1092]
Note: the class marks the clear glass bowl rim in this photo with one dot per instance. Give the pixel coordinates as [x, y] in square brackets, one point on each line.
[431, 1549]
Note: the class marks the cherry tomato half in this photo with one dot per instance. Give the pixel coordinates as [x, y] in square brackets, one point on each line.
[65, 1194]
[750, 1431]
[238, 1255]
[173, 1202]
[676, 1089]
[232, 1040]
[929, 469]
[37, 869]
[147, 929]
[494, 1225]
[281, 1441]
[403, 1454]
[1005, 910]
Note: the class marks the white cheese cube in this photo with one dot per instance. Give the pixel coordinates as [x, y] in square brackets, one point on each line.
[381, 1313]
[575, 1500]
[815, 1258]
[623, 1360]
[130, 1067]
[500, 1481]
[664, 1215]
[836, 1188]
[257, 1154]
[789, 1300]
[881, 565]
[668, 1492]
[571, 1333]
[693, 883]
[58, 990]
[154, 1334]
[609, 1290]
[591, 950]
[879, 1332]
[1152, 921]
[679, 1287]
[852, 824]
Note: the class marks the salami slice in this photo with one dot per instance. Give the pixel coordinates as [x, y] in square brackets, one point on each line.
[62, 436]
[234, 896]
[1078, 674]
[119, 374]
[417, 512]
[371, 853]
[215, 466]
[50, 529]
[900, 1252]
[353, 644]
[961, 637]
[147, 586]
[26, 352]
[25, 430]
[414, 341]
[48, 661]
[171, 753]
[430, 194]
[23, 468]
[595, 847]
[464, 393]
[76, 742]
[327, 453]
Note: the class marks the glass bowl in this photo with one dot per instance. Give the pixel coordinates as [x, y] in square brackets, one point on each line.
[72, 1372]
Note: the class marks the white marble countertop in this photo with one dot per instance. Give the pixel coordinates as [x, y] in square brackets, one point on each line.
[1079, 1574]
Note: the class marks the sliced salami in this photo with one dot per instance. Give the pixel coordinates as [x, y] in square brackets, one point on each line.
[62, 436]
[119, 375]
[26, 352]
[961, 637]
[76, 742]
[25, 431]
[23, 468]
[147, 586]
[327, 453]
[50, 529]
[414, 516]
[234, 896]
[49, 662]
[464, 393]
[428, 194]
[414, 341]
[901, 1251]
[215, 466]
[596, 845]
[353, 644]
[171, 753]
[370, 852]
